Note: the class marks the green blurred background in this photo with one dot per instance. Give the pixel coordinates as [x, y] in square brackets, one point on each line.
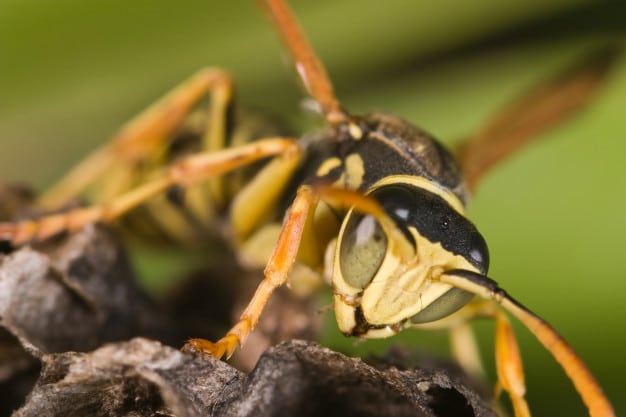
[554, 215]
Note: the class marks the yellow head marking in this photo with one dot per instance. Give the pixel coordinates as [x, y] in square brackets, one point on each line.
[425, 184]
[354, 171]
[399, 291]
[355, 131]
[327, 166]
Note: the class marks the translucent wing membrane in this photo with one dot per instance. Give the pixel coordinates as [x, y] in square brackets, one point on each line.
[532, 114]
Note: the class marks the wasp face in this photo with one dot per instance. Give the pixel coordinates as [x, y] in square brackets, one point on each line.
[378, 291]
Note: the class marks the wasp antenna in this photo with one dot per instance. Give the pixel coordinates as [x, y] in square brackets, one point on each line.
[585, 383]
[309, 67]
[367, 205]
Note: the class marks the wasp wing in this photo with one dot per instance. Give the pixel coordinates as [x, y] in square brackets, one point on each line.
[533, 113]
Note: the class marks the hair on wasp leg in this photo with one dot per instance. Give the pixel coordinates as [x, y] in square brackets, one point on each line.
[388, 189]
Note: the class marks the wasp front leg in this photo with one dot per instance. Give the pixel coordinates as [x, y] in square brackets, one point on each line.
[465, 350]
[508, 359]
[275, 274]
[296, 230]
[145, 136]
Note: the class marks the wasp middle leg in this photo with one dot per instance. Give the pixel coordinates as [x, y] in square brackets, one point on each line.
[188, 171]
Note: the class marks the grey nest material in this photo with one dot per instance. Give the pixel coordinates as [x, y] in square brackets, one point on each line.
[71, 314]
[145, 378]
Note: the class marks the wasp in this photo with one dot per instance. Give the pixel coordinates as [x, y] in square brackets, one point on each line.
[371, 203]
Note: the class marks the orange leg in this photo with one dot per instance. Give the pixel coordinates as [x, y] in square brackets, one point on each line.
[187, 171]
[465, 350]
[509, 367]
[508, 359]
[275, 275]
[146, 134]
[284, 256]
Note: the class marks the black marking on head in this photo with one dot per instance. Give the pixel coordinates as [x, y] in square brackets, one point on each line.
[361, 326]
[435, 220]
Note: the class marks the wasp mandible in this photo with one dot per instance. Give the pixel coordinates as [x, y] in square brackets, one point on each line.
[372, 202]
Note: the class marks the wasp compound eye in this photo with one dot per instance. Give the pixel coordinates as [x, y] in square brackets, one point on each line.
[362, 251]
[364, 243]
[443, 306]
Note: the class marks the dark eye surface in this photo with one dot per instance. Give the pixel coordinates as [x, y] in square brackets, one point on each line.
[478, 251]
[363, 247]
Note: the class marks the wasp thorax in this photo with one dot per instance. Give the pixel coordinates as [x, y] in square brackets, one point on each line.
[377, 291]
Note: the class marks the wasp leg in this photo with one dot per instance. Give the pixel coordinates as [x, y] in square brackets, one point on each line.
[275, 274]
[508, 359]
[584, 382]
[145, 134]
[509, 366]
[253, 202]
[293, 232]
[188, 171]
[465, 350]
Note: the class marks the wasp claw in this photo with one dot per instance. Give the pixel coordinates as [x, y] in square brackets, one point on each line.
[7, 231]
[18, 233]
[223, 347]
[203, 346]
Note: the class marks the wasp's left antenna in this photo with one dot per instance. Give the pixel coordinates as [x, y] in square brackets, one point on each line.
[309, 67]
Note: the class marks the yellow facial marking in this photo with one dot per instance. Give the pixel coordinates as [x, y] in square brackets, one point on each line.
[344, 313]
[400, 291]
[354, 170]
[355, 131]
[327, 166]
[352, 174]
[424, 184]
